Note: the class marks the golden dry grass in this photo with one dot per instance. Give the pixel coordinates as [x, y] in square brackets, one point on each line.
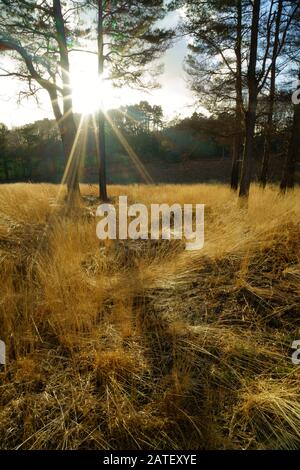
[143, 345]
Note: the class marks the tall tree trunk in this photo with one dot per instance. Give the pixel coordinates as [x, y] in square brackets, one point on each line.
[267, 145]
[271, 101]
[252, 105]
[66, 123]
[288, 176]
[239, 115]
[101, 117]
[68, 131]
[236, 156]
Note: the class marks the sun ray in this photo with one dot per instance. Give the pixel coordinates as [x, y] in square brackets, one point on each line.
[95, 133]
[132, 154]
[72, 153]
[83, 147]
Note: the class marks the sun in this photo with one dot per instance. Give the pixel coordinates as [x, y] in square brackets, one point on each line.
[90, 92]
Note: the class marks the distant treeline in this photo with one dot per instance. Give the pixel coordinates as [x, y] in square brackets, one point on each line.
[34, 151]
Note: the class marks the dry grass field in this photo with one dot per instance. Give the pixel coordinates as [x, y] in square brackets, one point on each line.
[142, 344]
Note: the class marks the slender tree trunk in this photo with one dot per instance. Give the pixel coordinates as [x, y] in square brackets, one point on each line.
[271, 101]
[237, 144]
[68, 133]
[252, 105]
[235, 168]
[66, 122]
[102, 157]
[267, 147]
[288, 176]
[101, 117]
[249, 149]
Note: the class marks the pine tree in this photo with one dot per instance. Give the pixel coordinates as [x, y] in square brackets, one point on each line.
[288, 175]
[128, 42]
[39, 36]
[281, 29]
[263, 55]
[293, 151]
[216, 62]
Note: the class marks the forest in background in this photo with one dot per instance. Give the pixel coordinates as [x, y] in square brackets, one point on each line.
[34, 152]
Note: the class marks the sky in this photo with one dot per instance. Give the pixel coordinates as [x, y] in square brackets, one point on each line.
[173, 95]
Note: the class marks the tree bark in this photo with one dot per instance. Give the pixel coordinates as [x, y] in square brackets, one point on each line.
[101, 117]
[68, 133]
[271, 101]
[66, 123]
[235, 168]
[252, 105]
[288, 176]
[239, 115]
